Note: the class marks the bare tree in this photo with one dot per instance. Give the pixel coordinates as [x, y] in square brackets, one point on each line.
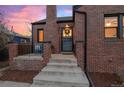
[4, 37]
[28, 27]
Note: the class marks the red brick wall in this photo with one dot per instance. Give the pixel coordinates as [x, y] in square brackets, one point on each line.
[13, 51]
[46, 52]
[103, 55]
[78, 38]
[27, 64]
[80, 54]
[51, 28]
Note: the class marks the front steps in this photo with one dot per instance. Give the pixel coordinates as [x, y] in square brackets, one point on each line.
[61, 72]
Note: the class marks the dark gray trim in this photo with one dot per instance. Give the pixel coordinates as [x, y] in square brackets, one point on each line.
[65, 21]
[46, 42]
[32, 40]
[40, 23]
[120, 26]
[85, 48]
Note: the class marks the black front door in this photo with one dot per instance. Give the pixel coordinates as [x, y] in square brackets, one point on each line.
[67, 42]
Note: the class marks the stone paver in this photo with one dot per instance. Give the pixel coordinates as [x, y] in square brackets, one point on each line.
[13, 84]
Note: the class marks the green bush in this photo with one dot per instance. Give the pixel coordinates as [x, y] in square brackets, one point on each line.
[4, 54]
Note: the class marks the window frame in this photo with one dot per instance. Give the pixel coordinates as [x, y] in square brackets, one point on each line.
[38, 32]
[120, 26]
[111, 15]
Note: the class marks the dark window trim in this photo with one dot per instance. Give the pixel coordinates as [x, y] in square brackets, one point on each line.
[112, 15]
[38, 30]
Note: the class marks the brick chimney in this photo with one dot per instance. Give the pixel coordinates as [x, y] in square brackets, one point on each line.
[51, 33]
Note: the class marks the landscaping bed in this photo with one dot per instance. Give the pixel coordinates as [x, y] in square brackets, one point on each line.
[18, 76]
[4, 64]
[105, 79]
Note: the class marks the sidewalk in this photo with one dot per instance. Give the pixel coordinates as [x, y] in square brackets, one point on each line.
[13, 84]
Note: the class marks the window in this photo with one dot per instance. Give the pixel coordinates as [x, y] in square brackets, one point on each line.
[40, 35]
[111, 27]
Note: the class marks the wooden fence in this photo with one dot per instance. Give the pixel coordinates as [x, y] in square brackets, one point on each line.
[24, 48]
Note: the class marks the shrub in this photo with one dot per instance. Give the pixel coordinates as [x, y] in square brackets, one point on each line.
[4, 54]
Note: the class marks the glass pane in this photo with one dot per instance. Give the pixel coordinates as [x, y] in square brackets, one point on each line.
[111, 21]
[40, 35]
[110, 32]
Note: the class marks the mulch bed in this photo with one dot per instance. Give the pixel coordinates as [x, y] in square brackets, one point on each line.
[105, 79]
[18, 76]
[4, 64]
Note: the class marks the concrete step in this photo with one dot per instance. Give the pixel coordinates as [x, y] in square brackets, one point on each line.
[36, 85]
[62, 61]
[53, 69]
[70, 80]
[60, 73]
[62, 64]
[71, 67]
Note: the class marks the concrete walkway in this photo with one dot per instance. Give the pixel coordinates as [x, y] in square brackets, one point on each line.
[29, 57]
[13, 84]
[61, 71]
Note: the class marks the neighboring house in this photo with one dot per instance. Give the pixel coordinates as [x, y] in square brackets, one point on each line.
[99, 29]
[17, 38]
[12, 36]
[21, 39]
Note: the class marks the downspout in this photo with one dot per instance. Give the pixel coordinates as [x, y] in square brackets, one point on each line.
[85, 49]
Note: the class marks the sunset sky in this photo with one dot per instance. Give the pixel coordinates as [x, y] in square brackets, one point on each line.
[20, 16]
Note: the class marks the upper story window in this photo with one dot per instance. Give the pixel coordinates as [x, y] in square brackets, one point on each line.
[111, 27]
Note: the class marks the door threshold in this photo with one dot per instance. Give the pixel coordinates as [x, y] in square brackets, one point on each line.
[67, 53]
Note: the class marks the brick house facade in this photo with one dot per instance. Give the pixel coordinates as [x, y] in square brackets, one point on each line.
[97, 46]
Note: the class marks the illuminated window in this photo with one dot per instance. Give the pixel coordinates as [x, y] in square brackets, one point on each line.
[67, 31]
[41, 35]
[111, 27]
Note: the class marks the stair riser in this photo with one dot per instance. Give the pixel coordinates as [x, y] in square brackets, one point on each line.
[62, 67]
[69, 74]
[61, 64]
[63, 70]
[60, 84]
[62, 61]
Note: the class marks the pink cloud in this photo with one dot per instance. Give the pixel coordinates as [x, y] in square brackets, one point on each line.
[21, 20]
